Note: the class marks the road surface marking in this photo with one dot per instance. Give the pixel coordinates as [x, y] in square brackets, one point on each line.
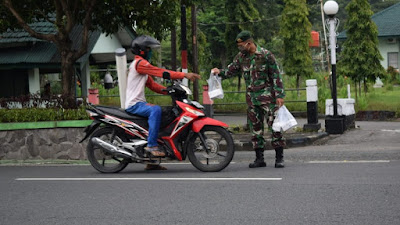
[183, 163]
[396, 131]
[356, 161]
[149, 179]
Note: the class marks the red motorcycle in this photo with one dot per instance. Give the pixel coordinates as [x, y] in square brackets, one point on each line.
[118, 138]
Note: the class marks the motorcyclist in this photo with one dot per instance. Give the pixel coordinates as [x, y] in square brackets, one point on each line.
[139, 77]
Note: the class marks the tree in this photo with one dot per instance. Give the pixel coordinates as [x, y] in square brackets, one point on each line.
[360, 58]
[107, 16]
[239, 15]
[296, 33]
[212, 23]
[270, 12]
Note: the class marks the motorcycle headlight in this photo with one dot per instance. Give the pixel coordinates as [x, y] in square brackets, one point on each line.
[195, 112]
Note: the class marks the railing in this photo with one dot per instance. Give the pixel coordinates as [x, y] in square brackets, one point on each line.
[225, 92]
[239, 92]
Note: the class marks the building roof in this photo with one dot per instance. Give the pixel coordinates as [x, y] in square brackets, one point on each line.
[19, 49]
[18, 36]
[387, 21]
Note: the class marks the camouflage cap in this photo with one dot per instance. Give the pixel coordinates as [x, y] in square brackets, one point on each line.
[243, 36]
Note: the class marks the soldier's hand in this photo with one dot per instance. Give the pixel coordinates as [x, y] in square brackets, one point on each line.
[280, 102]
[215, 71]
[192, 76]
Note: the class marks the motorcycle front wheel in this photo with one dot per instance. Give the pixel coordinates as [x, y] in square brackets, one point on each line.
[215, 154]
[102, 161]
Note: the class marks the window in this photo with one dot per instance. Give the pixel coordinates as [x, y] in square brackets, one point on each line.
[393, 59]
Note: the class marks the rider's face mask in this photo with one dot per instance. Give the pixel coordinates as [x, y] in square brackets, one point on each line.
[148, 55]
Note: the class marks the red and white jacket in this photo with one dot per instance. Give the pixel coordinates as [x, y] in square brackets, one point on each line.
[138, 79]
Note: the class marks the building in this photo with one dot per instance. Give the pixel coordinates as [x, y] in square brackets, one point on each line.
[388, 23]
[24, 59]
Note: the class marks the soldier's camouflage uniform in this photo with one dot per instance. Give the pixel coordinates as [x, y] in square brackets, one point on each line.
[264, 85]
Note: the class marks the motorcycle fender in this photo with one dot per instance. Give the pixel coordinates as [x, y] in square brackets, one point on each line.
[89, 129]
[206, 121]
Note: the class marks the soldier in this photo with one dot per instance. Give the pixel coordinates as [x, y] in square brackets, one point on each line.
[264, 94]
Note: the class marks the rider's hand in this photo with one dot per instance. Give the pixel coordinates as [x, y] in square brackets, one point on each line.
[192, 76]
[215, 71]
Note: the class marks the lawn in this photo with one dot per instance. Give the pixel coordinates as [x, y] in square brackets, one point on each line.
[384, 99]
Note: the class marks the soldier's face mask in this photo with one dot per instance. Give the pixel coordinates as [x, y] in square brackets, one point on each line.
[244, 48]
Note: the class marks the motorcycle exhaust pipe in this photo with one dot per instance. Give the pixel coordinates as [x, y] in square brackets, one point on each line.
[111, 148]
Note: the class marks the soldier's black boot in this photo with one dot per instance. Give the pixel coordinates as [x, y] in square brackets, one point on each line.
[279, 162]
[259, 162]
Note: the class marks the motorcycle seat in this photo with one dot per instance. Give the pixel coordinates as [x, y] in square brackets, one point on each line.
[120, 113]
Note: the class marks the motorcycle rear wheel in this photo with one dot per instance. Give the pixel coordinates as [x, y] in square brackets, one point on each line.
[102, 161]
[221, 149]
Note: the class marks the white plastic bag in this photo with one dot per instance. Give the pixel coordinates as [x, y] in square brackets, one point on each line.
[215, 87]
[284, 120]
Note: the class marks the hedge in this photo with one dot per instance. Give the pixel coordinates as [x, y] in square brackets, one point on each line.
[41, 114]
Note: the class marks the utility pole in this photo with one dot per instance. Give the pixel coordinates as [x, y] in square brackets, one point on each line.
[195, 53]
[325, 39]
[184, 43]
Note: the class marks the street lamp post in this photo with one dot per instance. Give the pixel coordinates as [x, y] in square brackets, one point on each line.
[330, 9]
[334, 124]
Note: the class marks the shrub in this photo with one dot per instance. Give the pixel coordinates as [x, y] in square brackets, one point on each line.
[393, 75]
[41, 114]
[33, 108]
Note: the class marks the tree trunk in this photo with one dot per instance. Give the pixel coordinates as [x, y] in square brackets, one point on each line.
[68, 79]
[355, 90]
[239, 81]
[173, 49]
[298, 85]
[223, 59]
[365, 86]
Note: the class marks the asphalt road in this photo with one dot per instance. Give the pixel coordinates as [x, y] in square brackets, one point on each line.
[312, 192]
[344, 179]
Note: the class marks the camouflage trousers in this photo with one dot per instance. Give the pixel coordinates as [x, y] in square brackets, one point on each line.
[255, 118]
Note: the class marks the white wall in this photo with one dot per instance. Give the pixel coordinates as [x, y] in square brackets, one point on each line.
[106, 44]
[34, 81]
[385, 47]
[85, 79]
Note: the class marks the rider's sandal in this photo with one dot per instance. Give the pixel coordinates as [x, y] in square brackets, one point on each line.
[155, 151]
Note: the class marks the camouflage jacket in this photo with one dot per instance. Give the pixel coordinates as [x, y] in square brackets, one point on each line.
[264, 83]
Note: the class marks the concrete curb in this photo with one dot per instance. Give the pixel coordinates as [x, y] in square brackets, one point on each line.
[243, 141]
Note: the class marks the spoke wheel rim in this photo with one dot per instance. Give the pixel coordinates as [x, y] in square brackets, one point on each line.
[214, 155]
[106, 159]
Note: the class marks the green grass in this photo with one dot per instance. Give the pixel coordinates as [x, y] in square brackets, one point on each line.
[384, 99]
